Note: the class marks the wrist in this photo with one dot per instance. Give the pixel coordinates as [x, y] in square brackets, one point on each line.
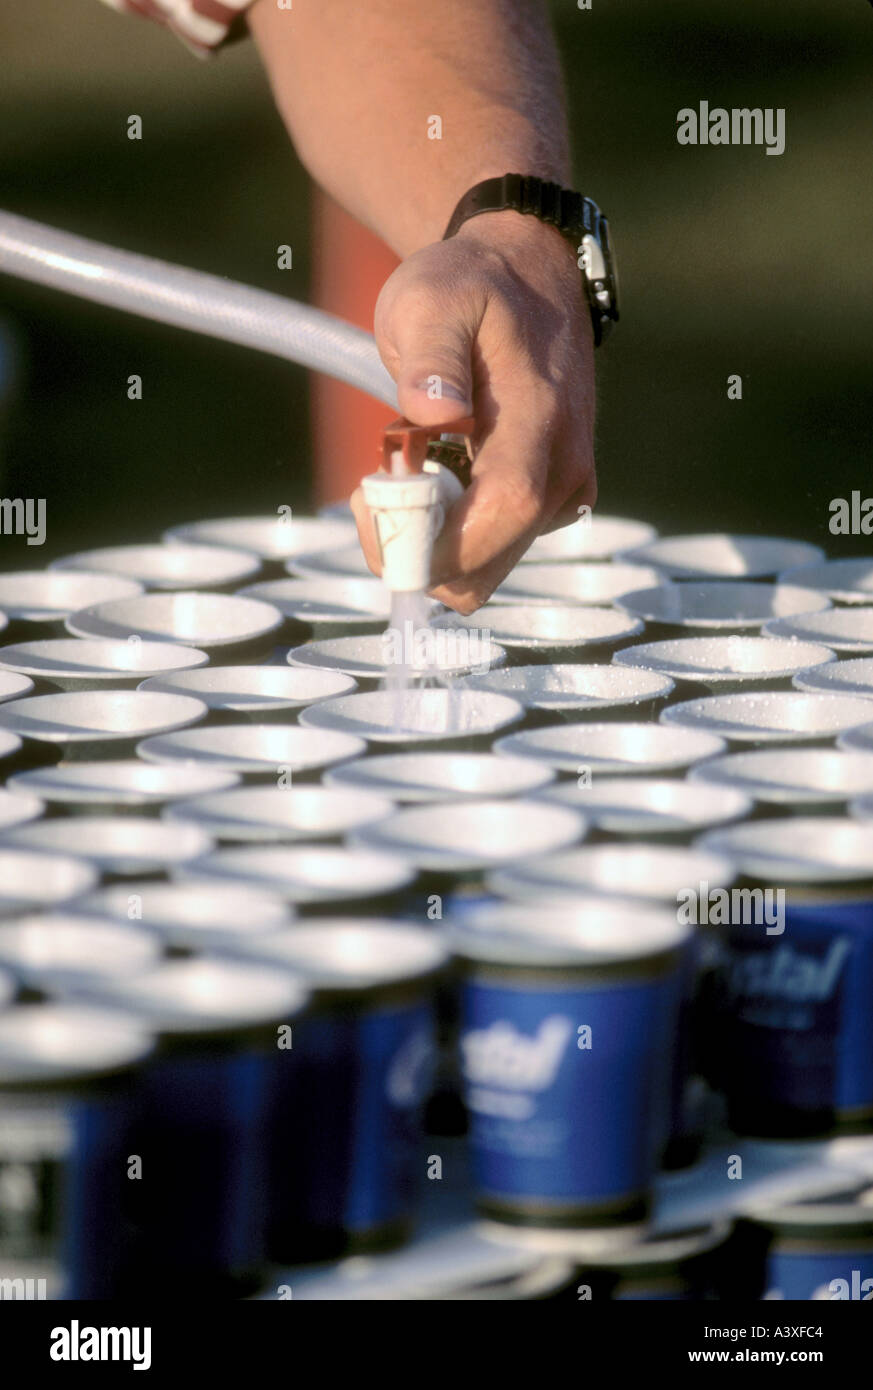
[509, 232]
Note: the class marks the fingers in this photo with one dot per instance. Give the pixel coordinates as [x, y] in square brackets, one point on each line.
[427, 346]
[502, 509]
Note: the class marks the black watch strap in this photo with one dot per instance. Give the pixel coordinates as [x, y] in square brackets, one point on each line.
[562, 208]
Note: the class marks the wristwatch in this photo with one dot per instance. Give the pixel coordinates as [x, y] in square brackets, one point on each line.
[577, 218]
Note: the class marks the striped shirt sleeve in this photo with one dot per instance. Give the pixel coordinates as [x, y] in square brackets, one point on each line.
[202, 25]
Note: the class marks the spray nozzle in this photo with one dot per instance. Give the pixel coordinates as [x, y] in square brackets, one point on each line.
[408, 448]
[424, 473]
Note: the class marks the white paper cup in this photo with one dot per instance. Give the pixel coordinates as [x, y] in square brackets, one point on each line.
[846, 581]
[650, 807]
[73, 663]
[307, 874]
[540, 628]
[125, 784]
[415, 716]
[281, 814]
[797, 849]
[344, 560]
[30, 880]
[718, 605]
[270, 537]
[255, 690]
[460, 837]
[438, 776]
[332, 606]
[853, 677]
[167, 566]
[651, 873]
[726, 663]
[610, 749]
[566, 688]
[98, 717]
[789, 778]
[592, 537]
[372, 657]
[781, 716]
[266, 750]
[121, 845]
[53, 951]
[194, 619]
[844, 629]
[49, 596]
[718, 555]
[572, 583]
[193, 914]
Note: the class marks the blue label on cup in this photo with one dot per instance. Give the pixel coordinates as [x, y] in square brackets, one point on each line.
[567, 1088]
[799, 1026]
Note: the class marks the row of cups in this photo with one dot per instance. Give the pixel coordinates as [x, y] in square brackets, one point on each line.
[708, 614]
[162, 727]
[269, 1092]
[600, 560]
[465, 812]
[273, 1095]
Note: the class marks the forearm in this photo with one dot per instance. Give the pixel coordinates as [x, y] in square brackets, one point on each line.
[356, 84]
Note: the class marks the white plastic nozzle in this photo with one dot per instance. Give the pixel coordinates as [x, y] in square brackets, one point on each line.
[408, 513]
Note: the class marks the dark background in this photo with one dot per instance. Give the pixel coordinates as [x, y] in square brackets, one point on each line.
[731, 261]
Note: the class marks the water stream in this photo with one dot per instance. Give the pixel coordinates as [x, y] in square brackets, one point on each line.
[412, 666]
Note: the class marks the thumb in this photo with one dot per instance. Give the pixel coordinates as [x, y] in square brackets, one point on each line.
[427, 348]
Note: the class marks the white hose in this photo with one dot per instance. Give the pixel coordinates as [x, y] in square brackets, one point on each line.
[192, 299]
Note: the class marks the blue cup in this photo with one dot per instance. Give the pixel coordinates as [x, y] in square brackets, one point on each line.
[68, 1111]
[346, 1108]
[796, 1024]
[813, 1250]
[198, 1210]
[569, 1019]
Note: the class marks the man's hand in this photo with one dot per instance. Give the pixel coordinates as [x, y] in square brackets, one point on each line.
[497, 318]
[498, 312]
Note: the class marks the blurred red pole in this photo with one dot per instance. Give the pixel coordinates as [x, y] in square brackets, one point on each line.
[349, 267]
